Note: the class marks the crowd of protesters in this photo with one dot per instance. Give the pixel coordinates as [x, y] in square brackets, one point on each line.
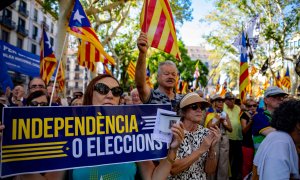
[218, 137]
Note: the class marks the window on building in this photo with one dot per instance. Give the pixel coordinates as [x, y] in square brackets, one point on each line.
[21, 23]
[23, 4]
[299, 43]
[20, 43]
[5, 36]
[51, 41]
[76, 84]
[52, 28]
[35, 32]
[35, 15]
[7, 14]
[33, 48]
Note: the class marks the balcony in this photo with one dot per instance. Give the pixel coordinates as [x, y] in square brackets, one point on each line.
[23, 11]
[46, 26]
[13, 5]
[21, 30]
[7, 22]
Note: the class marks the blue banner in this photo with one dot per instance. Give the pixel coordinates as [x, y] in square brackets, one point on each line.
[19, 60]
[56, 138]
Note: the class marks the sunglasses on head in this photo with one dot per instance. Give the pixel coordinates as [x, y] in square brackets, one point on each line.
[37, 86]
[34, 103]
[196, 106]
[251, 105]
[104, 89]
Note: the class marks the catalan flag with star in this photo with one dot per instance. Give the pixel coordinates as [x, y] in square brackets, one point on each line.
[244, 74]
[48, 61]
[286, 80]
[158, 23]
[80, 26]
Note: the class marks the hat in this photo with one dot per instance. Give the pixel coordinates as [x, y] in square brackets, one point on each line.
[192, 98]
[229, 95]
[216, 97]
[274, 91]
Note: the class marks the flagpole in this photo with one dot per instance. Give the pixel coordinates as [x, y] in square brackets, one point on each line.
[59, 62]
[83, 81]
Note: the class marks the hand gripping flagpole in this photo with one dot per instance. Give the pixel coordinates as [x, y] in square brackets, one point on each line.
[59, 62]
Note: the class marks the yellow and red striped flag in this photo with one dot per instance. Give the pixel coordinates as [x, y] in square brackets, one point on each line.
[48, 61]
[184, 87]
[286, 80]
[106, 70]
[80, 26]
[131, 70]
[278, 80]
[61, 77]
[148, 78]
[158, 23]
[88, 55]
[244, 74]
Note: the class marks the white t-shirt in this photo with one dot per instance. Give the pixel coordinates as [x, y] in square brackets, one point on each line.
[277, 157]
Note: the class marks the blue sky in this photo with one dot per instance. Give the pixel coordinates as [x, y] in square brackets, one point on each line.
[191, 32]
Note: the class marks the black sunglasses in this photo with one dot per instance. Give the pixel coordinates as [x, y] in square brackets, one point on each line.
[196, 106]
[104, 89]
[34, 103]
[251, 105]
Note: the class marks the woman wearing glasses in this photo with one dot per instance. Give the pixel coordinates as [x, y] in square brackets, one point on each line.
[247, 143]
[196, 155]
[105, 90]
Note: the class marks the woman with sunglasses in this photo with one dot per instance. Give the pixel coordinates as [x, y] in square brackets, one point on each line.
[216, 117]
[105, 90]
[196, 154]
[247, 143]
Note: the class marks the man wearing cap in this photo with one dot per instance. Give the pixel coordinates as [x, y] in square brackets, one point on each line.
[216, 117]
[273, 97]
[196, 155]
[235, 137]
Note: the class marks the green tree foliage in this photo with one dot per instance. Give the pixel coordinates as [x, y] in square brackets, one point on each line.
[186, 67]
[279, 19]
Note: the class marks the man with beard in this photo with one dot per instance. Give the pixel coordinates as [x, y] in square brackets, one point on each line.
[166, 78]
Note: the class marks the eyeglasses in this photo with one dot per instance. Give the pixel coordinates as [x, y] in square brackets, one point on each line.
[196, 106]
[34, 86]
[279, 98]
[104, 89]
[34, 103]
[251, 105]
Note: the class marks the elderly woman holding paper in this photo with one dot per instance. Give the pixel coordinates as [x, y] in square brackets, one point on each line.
[196, 155]
[105, 90]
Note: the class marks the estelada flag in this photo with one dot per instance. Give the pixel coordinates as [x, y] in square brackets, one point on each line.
[80, 26]
[158, 23]
[48, 61]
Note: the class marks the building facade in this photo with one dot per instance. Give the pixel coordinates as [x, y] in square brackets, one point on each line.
[21, 25]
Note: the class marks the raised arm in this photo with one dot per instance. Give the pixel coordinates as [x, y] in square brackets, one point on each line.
[140, 70]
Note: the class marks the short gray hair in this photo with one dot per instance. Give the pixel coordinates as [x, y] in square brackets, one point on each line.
[167, 62]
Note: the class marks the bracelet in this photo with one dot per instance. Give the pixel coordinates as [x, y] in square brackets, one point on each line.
[170, 160]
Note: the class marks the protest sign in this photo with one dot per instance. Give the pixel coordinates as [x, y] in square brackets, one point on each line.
[41, 139]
